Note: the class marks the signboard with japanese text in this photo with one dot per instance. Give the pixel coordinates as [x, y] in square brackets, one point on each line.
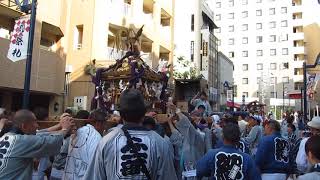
[205, 48]
[19, 39]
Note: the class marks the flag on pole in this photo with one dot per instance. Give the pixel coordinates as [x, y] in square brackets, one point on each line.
[19, 39]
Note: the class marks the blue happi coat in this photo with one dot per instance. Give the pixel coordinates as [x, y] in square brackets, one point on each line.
[273, 154]
[227, 162]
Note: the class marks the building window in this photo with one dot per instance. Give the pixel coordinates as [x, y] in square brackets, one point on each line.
[285, 66]
[245, 67]
[259, 52]
[245, 94]
[244, 2]
[244, 14]
[284, 10]
[244, 27]
[231, 3]
[273, 80]
[273, 94]
[218, 4]
[218, 30]
[259, 1]
[218, 17]
[231, 54]
[231, 41]
[231, 28]
[273, 52]
[258, 80]
[284, 51]
[284, 37]
[244, 40]
[245, 80]
[244, 53]
[259, 12]
[259, 66]
[273, 66]
[272, 11]
[272, 38]
[284, 23]
[78, 35]
[285, 80]
[259, 26]
[231, 15]
[192, 22]
[259, 39]
[272, 24]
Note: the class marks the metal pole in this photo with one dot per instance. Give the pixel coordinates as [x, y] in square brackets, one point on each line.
[26, 90]
[305, 105]
[301, 105]
[233, 98]
[283, 96]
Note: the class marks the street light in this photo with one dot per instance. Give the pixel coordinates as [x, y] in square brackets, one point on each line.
[305, 67]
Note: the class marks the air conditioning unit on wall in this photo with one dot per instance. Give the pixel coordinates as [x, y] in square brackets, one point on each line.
[80, 102]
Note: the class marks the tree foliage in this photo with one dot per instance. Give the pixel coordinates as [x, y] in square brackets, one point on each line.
[185, 69]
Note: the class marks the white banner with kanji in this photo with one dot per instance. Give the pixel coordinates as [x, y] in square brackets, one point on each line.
[19, 39]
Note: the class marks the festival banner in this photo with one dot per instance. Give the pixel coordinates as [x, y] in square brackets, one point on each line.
[312, 80]
[19, 39]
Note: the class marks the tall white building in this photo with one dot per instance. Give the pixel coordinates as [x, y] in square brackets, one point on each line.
[225, 76]
[266, 42]
[195, 41]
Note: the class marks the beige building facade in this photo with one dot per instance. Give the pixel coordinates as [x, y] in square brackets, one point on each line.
[48, 63]
[94, 27]
[68, 36]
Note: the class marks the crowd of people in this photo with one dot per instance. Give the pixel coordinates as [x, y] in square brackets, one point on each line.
[132, 143]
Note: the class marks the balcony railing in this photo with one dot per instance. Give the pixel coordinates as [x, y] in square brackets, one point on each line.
[297, 22]
[298, 36]
[296, 9]
[298, 78]
[298, 50]
[10, 4]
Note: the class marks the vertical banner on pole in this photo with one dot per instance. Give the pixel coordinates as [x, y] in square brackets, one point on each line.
[19, 39]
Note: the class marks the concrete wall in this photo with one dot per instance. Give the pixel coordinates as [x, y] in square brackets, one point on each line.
[225, 74]
[96, 17]
[48, 66]
[47, 70]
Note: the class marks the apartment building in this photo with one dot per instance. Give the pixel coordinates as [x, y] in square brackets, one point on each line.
[68, 36]
[48, 63]
[194, 39]
[266, 41]
[92, 32]
[225, 80]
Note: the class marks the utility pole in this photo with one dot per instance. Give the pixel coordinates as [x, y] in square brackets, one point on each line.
[282, 96]
[305, 67]
[26, 90]
[301, 103]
